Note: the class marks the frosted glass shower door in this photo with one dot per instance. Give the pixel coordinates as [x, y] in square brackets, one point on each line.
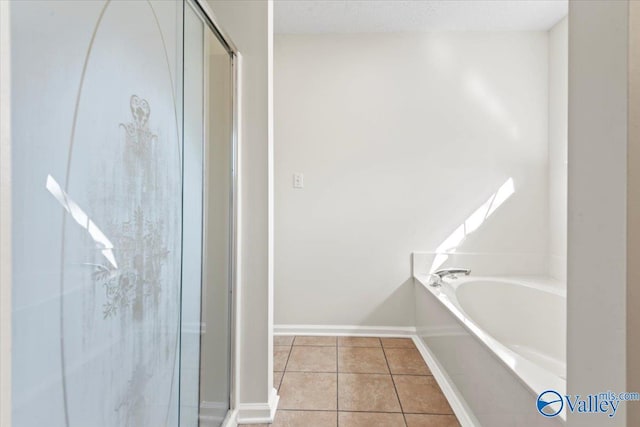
[97, 208]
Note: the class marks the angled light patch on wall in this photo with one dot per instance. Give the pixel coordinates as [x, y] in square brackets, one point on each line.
[79, 216]
[472, 223]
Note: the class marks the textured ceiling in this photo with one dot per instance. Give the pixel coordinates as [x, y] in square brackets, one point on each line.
[373, 16]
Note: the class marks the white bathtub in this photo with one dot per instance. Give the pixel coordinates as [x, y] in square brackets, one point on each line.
[519, 321]
[525, 316]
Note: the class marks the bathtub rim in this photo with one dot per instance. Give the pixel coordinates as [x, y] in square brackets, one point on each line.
[534, 377]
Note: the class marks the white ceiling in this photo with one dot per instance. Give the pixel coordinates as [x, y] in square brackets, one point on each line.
[373, 16]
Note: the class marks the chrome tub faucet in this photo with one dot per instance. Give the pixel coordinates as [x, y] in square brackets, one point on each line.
[435, 278]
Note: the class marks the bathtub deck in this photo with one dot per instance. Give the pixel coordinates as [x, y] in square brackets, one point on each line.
[356, 381]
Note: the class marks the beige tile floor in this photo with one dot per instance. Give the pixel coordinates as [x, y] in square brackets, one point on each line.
[355, 382]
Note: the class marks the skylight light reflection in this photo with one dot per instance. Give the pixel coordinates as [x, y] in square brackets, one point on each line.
[472, 223]
[502, 195]
[82, 219]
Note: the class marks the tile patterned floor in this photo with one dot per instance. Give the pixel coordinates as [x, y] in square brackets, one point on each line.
[355, 382]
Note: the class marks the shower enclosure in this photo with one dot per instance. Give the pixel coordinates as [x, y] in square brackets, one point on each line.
[123, 205]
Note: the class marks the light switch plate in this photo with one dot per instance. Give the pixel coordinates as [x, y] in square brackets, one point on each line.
[298, 180]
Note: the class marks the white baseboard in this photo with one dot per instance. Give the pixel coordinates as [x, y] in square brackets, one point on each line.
[211, 414]
[259, 413]
[232, 419]
[457, 402]
[344, 330]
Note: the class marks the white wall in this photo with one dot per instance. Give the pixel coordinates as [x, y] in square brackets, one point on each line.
[597, 204]
[248, 23]
[401, 137]
[5, 218]
[558, 117]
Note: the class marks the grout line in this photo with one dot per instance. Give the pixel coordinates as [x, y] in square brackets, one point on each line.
[365, 412]
[312, 345]
[394, 386]
[352, 373]
[284, 372]
[365, 373]
[413, 375]
[432, 413]
[399, 348]
[359, 346]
